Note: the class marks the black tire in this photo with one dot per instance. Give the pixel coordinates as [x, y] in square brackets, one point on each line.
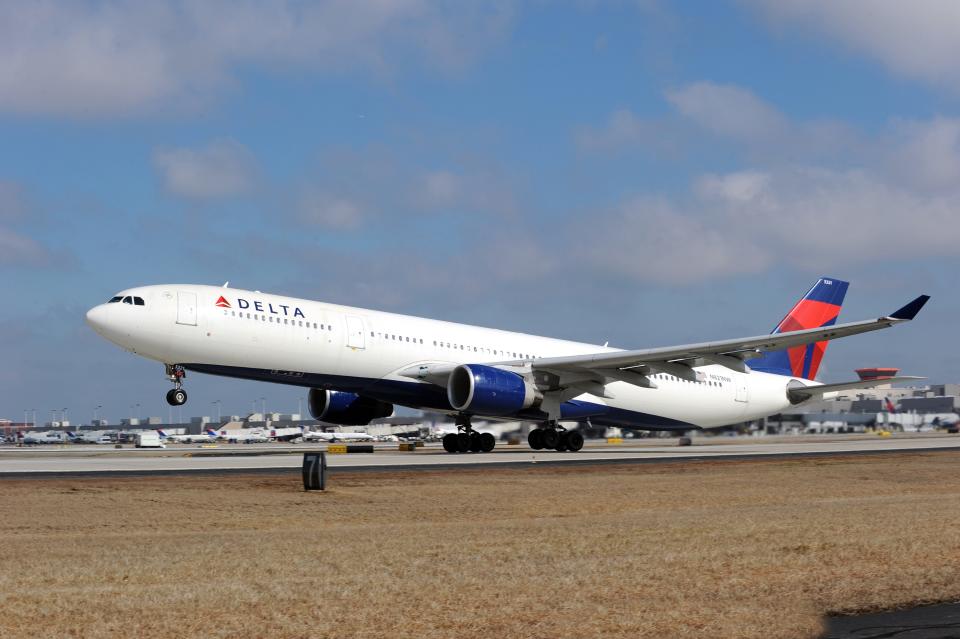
[574, 440]
[487, 442]
[550, 438]
[535, 439]
[176, 397]
[450, 442]
[463, 443]
[475, 446]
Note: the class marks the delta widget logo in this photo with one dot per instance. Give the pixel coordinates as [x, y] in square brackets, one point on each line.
[223, 303]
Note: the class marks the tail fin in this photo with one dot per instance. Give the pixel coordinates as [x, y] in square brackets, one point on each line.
[162, 434]
[819, 307]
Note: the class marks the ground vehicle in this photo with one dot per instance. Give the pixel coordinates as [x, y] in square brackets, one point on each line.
[149, 439]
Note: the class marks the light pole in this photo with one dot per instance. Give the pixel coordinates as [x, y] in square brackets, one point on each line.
[263, 408]
[217, 402]
[96, 414]
[300, 407]
[34, 412]
[138, 413]
[63, 417]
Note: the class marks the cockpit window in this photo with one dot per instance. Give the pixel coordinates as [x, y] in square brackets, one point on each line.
[128, 300]
[114, 300]
[138, 301]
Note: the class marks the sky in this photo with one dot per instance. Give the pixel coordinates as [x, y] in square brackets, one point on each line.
[645, 173]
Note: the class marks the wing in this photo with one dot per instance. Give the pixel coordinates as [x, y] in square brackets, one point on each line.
[802, 393]
[562, 378]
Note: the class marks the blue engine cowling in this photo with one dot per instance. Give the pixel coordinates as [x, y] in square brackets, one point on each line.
[485, 390]
[347, 409]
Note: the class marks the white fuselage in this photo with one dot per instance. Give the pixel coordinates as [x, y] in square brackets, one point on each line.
[314, 344]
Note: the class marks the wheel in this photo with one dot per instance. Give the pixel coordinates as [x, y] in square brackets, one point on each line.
[475, 446]
[561, 441]
[176, 397]
[550, 438]
[450, 442]
[574, 440]
[535, 439]
[487, 442]
[463, 443]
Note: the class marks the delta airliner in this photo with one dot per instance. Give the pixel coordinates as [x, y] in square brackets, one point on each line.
[359, 363]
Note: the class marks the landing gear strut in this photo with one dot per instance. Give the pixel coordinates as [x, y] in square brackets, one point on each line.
[176, 396]
[468, 440]
[554, 436]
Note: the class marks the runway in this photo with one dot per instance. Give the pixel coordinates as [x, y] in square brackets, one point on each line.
[92, 460]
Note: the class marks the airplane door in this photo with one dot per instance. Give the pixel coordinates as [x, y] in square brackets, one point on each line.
[743, 395]
[186, 308]
[355, 337]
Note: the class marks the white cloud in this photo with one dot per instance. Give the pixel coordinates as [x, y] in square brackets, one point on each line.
[925, 154]
[623, 128]
[222, 168]
[743, 222]
[120, 57]
[329, 211]
[729, 111]
[653, 240]
[918, 39]
[18, 249]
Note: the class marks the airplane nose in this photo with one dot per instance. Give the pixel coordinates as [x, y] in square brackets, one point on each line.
[97, 318]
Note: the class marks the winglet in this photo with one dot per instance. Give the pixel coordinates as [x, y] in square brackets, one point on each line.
[910, 311]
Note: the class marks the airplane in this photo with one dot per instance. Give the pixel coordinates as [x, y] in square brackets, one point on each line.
[286, 434]
[359, 363]
[45, 437]
[208, 435]
[337, 437]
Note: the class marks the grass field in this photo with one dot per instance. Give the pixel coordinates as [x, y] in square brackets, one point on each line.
[705, 549]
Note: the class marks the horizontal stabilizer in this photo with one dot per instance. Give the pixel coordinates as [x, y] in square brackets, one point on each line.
[798, 394]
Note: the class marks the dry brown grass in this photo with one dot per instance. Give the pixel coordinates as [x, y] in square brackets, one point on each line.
[707, 549]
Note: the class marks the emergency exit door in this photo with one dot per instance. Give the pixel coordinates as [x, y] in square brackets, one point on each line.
[355, 336]
[187, 308]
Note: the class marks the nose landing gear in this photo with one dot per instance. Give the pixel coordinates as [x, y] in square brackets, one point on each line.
[176, 396]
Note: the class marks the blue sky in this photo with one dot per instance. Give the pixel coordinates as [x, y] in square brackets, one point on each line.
[645, 173]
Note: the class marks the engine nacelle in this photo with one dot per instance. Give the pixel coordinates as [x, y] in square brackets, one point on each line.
[347, 409]
[485, 390]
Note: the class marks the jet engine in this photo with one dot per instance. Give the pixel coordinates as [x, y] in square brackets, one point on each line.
[347, 409]
[485, 390]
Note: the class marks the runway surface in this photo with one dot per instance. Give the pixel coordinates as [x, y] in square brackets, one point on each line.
[84, 460]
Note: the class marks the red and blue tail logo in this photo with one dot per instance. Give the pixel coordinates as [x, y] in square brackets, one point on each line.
[818, 308]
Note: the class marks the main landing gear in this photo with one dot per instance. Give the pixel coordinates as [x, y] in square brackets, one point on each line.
[468, 440]
[553, 435]
[176, 396]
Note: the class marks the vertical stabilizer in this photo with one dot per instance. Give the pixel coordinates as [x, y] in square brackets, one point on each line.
[818, 308]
